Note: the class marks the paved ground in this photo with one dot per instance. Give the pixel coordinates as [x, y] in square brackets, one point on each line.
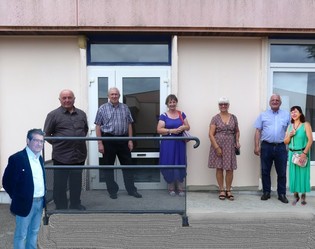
[246, 222]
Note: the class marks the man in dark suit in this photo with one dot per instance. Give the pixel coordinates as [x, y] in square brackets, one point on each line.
[24, 181]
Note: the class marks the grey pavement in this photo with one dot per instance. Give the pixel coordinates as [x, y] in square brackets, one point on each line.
[246, 222]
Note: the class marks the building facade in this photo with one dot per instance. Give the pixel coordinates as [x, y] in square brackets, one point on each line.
[199, 50]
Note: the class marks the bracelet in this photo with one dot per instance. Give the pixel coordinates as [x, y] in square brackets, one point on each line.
[304, 153]
[217, 148]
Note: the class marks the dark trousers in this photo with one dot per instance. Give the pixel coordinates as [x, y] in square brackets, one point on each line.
[61, 177]
[278, 154]
[121, 150]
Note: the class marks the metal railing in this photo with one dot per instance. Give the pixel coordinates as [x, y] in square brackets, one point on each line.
[136, 210]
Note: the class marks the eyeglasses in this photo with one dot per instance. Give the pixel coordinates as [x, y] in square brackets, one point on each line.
[221, 104]
[38, 141]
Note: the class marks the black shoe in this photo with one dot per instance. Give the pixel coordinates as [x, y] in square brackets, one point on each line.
[113, 196]
[60, 207]
[265, 197]
[78, 207]
[283, 199]
[135, 194]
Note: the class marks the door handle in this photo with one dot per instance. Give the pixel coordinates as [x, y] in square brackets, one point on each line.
[92, 129]
[142, 154]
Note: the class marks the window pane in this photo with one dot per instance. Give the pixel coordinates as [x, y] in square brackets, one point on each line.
[102, 90]
[142, 95]
[130, 53]
[292, 53]
[297, 88]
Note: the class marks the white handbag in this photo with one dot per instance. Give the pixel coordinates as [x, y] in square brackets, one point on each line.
[296, 158]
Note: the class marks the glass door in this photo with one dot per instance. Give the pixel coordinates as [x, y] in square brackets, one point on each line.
[144, 90]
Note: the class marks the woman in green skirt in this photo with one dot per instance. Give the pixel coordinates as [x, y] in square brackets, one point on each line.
[299, 138]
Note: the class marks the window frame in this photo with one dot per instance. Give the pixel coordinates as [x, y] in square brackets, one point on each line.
[130, 39]
[275, 67]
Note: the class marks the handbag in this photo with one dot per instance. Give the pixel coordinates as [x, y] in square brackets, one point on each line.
[185, 133]
[296, 157]
[297, 160]
[237, 150]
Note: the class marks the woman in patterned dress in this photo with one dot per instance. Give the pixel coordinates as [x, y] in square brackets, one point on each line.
[224, 136]
[300, 139]
[173, 152]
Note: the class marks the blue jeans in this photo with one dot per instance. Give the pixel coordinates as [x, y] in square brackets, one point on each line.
[277, 154]
[27, 228]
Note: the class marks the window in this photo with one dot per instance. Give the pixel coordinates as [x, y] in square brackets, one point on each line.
[292, 68]
[129, 50]
[292, 53]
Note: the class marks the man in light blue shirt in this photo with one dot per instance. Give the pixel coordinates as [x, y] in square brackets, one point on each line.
[271, 127]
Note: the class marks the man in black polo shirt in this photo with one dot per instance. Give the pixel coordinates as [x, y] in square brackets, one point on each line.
[67, 121]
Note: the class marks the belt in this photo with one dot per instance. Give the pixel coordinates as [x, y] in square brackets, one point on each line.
[105, 134]
[297, 150]
[38, 198]
[273, 144]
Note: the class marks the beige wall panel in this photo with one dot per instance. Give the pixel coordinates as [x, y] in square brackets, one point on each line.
[33, 70]
[210, 68]
[197, 13]
[176, 14]
[38, 13]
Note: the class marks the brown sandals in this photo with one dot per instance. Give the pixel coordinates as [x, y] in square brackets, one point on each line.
[303, 202]
[229, 195]
[225, 194]
[222, 196]
[296, 199]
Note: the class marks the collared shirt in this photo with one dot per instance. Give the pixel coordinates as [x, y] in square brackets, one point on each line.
[37, 172]
[114, 119]
[61, 123]
[273, 125]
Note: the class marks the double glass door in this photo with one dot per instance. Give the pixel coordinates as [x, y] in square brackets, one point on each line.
[144, 90]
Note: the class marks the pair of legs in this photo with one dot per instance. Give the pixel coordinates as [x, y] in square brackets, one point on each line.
[121, 150]
[297, 198]
[277, 154]
[61, 177]
[228, 183]
[27, 228]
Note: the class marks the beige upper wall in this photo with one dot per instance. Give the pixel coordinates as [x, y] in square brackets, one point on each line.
[208, 69]
[169, 15]
[33, 70]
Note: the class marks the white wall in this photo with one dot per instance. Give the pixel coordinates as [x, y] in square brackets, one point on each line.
[33, 70]
[208, 69]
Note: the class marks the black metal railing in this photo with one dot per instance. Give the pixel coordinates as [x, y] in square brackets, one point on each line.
[97, 201]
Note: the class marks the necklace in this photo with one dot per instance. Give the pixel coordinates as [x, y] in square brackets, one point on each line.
[296, 127]
[225, 118]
